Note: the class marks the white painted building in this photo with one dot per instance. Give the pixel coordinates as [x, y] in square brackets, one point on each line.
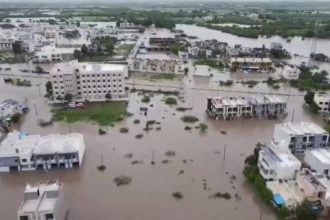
[290, 72]
[318, 160]
[277, 163]
[322, 100]
[44, 201]
[21, 152]
[301, 136]
[89, 81]
[51, 54]
[230, 108]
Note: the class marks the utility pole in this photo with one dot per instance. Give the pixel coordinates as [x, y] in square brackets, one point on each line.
[261, 212]
[153, 158]
[35, 109]
[224, 154]
[292, 116]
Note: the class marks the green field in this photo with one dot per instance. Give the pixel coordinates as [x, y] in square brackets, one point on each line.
[104, 113]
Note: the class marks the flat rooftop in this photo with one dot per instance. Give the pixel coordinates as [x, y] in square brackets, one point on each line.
[322, 155]
[71, 67]
[301, 128]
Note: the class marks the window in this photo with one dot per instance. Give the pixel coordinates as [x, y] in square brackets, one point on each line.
[321, 103]
[49, 216]
[24, 160]
[24, 217]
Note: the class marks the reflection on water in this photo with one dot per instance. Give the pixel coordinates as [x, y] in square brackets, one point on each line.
[93, 195]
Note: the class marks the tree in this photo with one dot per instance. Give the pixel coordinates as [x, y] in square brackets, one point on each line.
[39, 69]
[15, 118]
[118, 23]
[78, 23]
[309, 97]
[304, 211]
[68, 97]
[84, 49]
[49, 87]
[17, 47]
[110, 47]
[108, 96]
[77, 54]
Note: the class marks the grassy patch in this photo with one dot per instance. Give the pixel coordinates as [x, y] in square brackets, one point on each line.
[165, 76]
[189, 119]
[103, 113]
[171, 101]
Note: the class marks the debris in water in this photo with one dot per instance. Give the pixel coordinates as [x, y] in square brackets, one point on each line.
[158, 128]
[227, 172]
[122, 180]
[187, 128]
[233, 187]
[184, 161]
[102, 131]
[101, 167]
[225, 195]
[233, 177]
[181, 172]
[136, 121]
[166, 161]
[139, 136]
[128, 155]
[238, 197]
[170, 153]
[191, 160]
[223, 132]
[136, 162]
[177, 195]
[123, 130]
[216, 152]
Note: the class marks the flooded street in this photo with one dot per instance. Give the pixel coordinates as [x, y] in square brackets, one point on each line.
[92, 194]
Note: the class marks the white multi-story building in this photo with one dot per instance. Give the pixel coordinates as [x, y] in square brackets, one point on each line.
[322, 100]
[89, 81]
[290, 72]
[301, 136]
[50, 54]
[228, 108]
[44, 201]
[277, 163]
[318, 160]
[21, 152]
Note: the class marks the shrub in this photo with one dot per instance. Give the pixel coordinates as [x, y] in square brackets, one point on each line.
[171, 101]
[123, 130]
[145, 99]
[177, 195]
[189, 119]
[203, 127]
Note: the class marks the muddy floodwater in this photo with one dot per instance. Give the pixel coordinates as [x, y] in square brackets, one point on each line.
[92, 194]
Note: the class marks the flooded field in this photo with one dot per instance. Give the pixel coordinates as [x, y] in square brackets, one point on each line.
[198, 169]
[297, 45]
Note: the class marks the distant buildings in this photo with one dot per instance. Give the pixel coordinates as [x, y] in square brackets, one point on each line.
[301, 136]
[89, 81]
[230, 108]
[277, 163]
[22, 152]
[44, 201]
[250, 64]
[172, 66]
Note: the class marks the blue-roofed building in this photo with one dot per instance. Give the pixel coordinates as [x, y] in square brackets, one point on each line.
[276, 162]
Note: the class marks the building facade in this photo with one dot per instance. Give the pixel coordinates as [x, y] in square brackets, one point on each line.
[22, 152]
[86, 81]
[322, 100]
[44, 201]
[318, 160]
[231, 108]
[277, 163]
[301, 136]
[50, 54]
